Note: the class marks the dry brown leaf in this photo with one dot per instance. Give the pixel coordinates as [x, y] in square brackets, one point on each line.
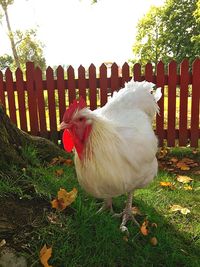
[174, 160]
[184, 179]
[166, 184]
[144, 228]
[188, 161]
[59, 172]
[68, 162]
[64, 199]
[197, 172]
[182, 166]
[154, 241]
[125, 238]
[61, 160]
[45, 255]
[175, 208]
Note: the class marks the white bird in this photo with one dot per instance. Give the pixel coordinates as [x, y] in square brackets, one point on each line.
[115, 146]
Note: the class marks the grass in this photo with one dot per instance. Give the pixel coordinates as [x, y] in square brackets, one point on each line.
[81, 237]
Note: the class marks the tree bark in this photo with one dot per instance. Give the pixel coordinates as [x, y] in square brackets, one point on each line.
[12, 141]
[11, 38]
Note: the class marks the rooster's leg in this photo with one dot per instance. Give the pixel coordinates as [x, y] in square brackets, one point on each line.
[127, 214]
[107, 205]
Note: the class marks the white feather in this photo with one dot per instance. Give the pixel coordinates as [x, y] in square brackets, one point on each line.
[120, 152]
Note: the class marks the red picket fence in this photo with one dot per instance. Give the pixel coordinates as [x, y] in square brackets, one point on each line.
[36, 105]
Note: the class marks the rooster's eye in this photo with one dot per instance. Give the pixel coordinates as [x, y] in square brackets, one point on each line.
[80, 119]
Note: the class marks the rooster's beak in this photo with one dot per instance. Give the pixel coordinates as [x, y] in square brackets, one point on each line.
[64, 125]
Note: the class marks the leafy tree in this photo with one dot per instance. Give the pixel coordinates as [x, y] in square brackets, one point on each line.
[181, 27]
[167, 32]
[4, 4]
[148, 45]
[5, 61]
[29, 48]
[25, 45]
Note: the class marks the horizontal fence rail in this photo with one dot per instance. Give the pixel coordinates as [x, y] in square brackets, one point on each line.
[36, 101]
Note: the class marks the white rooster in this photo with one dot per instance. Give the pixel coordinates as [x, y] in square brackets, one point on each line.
[115, 146]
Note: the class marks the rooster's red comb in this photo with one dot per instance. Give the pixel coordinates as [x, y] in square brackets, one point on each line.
[76, 105]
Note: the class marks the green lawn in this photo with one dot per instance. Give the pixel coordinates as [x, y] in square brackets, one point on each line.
[81, 237]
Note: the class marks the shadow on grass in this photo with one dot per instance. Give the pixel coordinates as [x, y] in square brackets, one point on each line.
[89, 239]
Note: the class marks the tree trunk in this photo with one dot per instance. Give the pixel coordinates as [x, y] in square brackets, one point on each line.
[11, 38]
[12, 141]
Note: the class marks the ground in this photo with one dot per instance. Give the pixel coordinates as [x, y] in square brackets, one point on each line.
[81, 237]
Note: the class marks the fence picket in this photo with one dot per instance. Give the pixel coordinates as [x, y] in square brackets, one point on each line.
[195, 103]
[51, 104]
[184, 81]
[148, 72]
[61, 91]
[92, 87]
[71, 84]
[103, 85]
[21, 99]
[40, 102]
[137, 72]
[11, 96]
[172, 80]
[2, 94]
[114, 78]
[160, 82]
[82, 82]
[125, 74]
[32, 105]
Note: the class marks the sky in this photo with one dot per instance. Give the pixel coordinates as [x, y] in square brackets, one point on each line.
[75, 32]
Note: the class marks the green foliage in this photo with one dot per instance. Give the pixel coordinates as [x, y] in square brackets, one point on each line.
[5, 61]
[29, 48]
[168, 32]
[5, 3]
[25, 45]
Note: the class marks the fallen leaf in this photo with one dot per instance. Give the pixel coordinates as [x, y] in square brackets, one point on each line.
[166, 184]
[197, 172]
[187, 161]
[174, 160]
[64, 199]
[61, 160]
[184, 179]
[2, 243]
[68, 162]
[182, 166]
[154, 225]
[163, 152]
[45, 255]
[136, 211]
[59, 172]
[175, 208]
[188, 188]
[125, 238]
[154, 241]
[144, 228]
[185, 211]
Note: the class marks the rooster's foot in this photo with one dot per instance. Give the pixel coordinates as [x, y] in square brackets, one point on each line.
[127, 214]
[107, 205]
